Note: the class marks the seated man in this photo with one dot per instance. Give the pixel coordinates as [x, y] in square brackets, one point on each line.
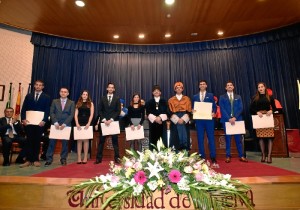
[10, 131]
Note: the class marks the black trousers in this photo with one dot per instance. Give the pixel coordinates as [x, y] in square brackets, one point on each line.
[34, 134]
[114, 143]
[156, 132]
[7, 143]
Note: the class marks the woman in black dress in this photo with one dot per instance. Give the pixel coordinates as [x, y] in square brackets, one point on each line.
[84, 113]
[263, 103]
[136, 117]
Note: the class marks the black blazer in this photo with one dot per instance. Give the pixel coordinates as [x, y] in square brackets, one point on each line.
[4, 126]
[111, 111]
[43, 105]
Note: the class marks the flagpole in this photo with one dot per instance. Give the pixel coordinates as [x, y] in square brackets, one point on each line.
[9, 97]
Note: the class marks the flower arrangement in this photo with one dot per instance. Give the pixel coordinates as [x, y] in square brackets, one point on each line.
[141, 174]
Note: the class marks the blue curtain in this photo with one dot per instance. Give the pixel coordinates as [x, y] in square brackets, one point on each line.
[272, 57]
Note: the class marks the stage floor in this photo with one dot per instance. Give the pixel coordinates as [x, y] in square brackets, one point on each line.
[20, 191]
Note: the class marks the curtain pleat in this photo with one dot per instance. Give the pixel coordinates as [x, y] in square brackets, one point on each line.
[271, 57]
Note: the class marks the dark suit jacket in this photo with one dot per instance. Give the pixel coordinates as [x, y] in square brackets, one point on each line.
[151, 107]
[4, 126]
[111, 111]
[209, 97]
[225, 107]
[62, 116]
[43, 105]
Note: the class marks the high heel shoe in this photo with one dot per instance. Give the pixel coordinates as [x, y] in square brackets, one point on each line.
[263, 159]
[84, 162]
[79, 162]
[269, 160]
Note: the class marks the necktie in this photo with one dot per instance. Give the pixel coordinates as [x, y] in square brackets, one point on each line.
[10, 131]
[202, 97]
[231, 103]
[62, 105]
[109, 100]
[36, 97]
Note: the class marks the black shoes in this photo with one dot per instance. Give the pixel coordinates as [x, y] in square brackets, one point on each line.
[213, 160]
[43, 157]
[6, 164]
[117, 161]
[20, 160]
[48, 164]
[98, 161]
[63, 162]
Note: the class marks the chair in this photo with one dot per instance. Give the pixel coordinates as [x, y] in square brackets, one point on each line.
[250, 143]
[15, 149]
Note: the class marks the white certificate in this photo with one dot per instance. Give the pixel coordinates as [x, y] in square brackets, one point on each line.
[263, 122]
[60, 134]
[34, 117]
[203, 111]
[113, 128]
[134, 134]
[83, 133]
[237, 128]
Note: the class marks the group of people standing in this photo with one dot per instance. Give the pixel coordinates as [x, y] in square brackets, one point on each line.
[174, 114]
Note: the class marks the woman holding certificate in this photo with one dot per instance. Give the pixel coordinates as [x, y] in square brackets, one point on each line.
[180, 108]
[261, 105]
[136, 117]
[84, 112]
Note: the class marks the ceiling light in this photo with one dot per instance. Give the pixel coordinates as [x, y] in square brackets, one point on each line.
[80, 3]
[194, 34]
[168, 15]
[169, 2]
[116, 36]
[220, 33]
[168, 35]
[141, 36]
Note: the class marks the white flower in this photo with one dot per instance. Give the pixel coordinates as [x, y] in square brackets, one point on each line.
[103, 178]
[160, 145]
[227, 176]
[183, 184]
[207, 180]
[223, 183]
[152, 185]
[154, 169]
[105, 186]
[137, 166]
[137, 189]
[188, 169]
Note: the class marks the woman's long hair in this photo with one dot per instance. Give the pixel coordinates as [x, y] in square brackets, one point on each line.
[256, 97]
[132, 102]
[80, 100]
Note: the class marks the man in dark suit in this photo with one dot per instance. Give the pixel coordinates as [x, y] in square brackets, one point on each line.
[10, 131]
[109, 111]
[61, 113]
[156, 109]
[35, 101]
[206, 125]
[231, 110]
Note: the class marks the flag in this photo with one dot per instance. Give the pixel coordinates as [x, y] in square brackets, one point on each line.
[8, 104]
[18, 102]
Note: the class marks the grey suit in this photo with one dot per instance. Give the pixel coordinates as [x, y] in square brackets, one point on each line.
[60, 117]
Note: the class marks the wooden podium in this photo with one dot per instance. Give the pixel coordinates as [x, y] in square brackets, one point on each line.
[280, 146]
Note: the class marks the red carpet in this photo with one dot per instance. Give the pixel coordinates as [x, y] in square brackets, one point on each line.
[235, 168]
[239, 169]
